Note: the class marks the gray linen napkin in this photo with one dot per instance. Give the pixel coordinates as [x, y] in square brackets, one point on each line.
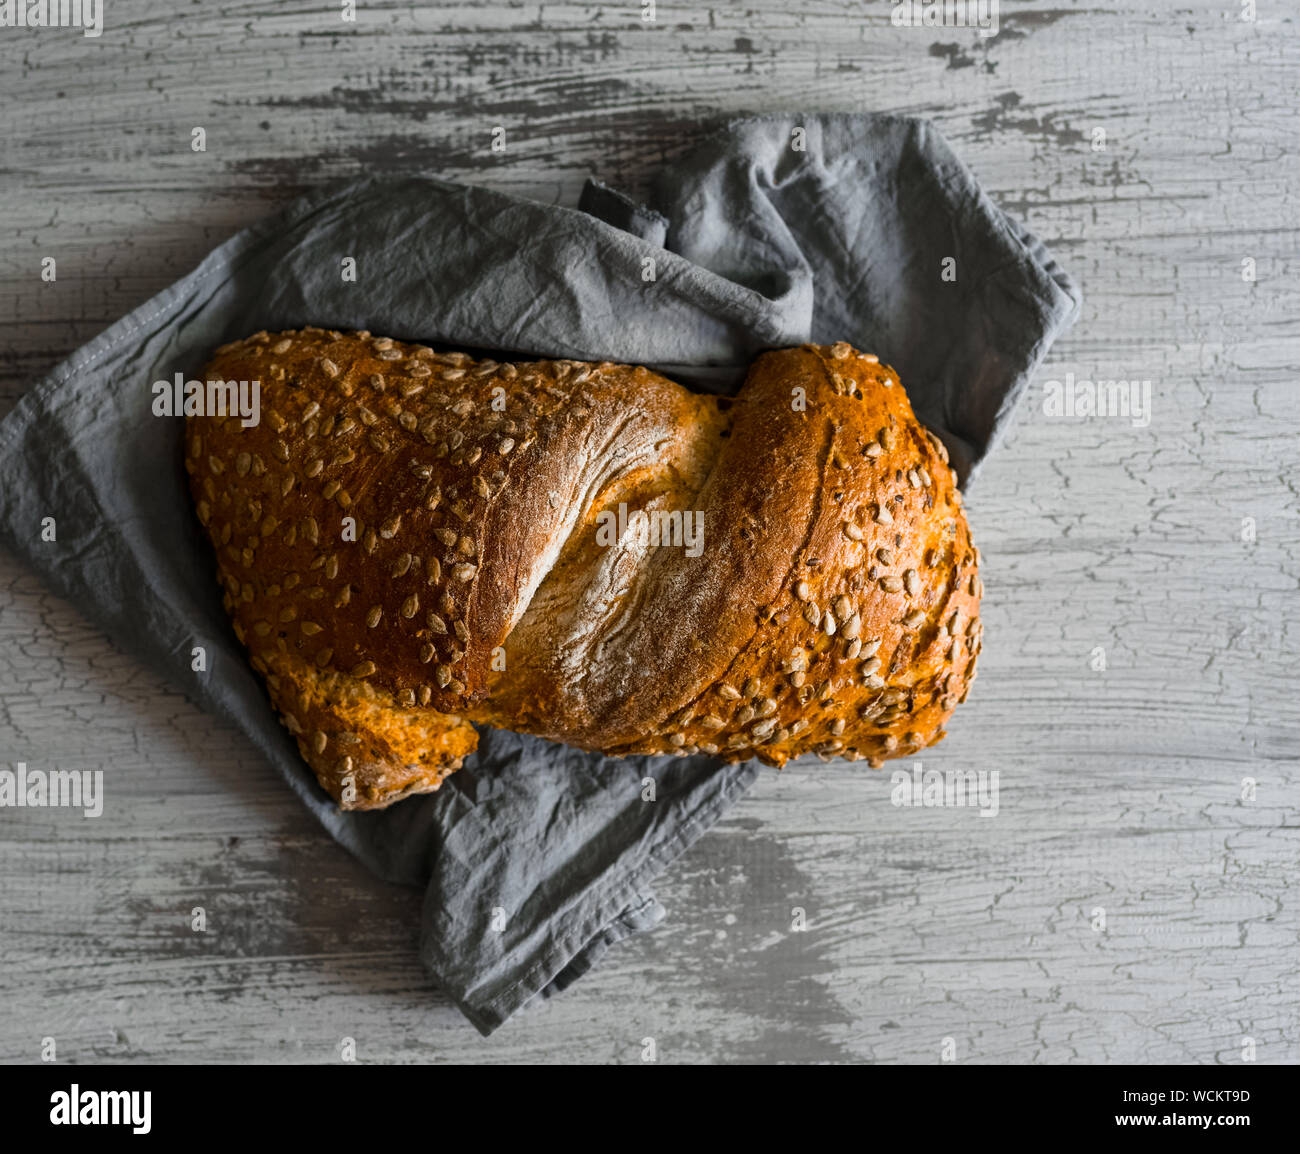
[536, 857]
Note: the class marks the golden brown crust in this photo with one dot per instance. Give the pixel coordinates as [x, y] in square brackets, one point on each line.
[412, 541]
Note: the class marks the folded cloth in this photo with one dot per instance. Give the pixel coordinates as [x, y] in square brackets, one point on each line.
[535, 857]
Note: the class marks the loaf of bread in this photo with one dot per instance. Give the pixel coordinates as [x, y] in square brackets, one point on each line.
[411, 542]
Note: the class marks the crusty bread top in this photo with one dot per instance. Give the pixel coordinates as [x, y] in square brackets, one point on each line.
[833, 606]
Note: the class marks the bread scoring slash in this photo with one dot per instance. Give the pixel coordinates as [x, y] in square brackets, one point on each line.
[411, 542]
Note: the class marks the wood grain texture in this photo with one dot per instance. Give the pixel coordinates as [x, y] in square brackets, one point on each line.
[1121, 788]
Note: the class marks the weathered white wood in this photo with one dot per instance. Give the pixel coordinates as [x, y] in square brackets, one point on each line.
[1121, 789]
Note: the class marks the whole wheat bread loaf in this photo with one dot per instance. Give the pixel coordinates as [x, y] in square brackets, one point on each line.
[412, 541]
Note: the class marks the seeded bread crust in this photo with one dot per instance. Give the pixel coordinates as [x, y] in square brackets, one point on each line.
[410, 542]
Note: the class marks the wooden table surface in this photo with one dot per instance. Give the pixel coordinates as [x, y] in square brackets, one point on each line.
[1171, 550]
